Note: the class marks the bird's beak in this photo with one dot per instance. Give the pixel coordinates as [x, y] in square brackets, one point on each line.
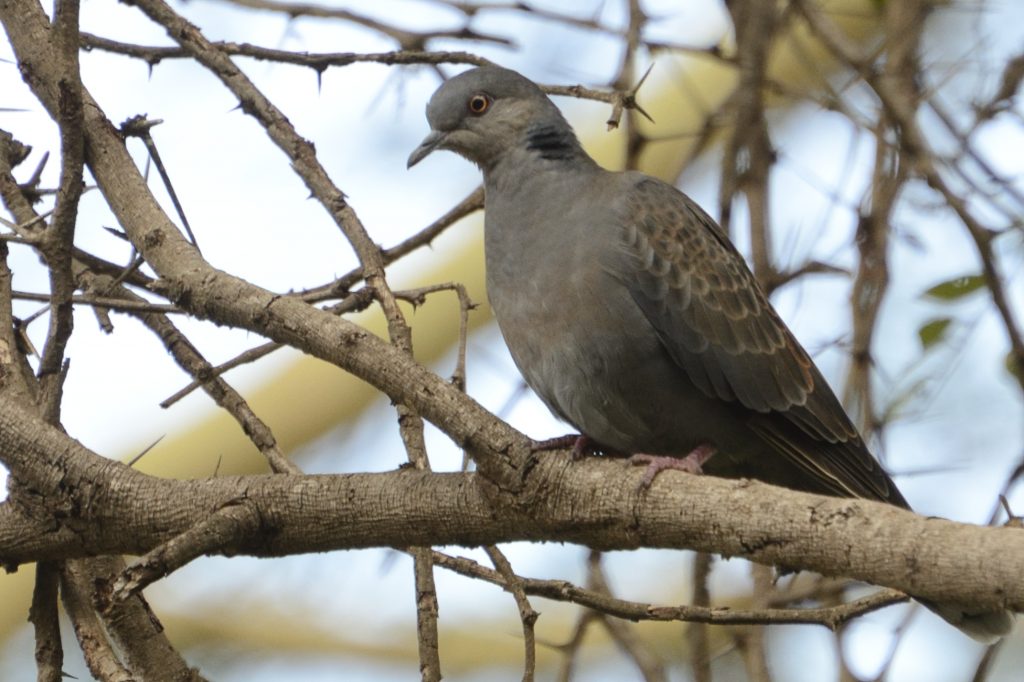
[431, 142]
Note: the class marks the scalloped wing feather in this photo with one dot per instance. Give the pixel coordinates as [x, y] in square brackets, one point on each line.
[718, 325]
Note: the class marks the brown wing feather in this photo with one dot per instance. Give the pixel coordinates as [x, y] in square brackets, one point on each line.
[718, 325]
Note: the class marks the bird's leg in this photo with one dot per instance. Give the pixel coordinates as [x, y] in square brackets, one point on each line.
[582, 445]
[691, 464]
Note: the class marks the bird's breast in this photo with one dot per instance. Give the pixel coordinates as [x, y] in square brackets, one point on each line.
[573, 331]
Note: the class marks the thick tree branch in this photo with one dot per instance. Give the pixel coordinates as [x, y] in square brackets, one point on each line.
[135, 629]
[596, 503]
[100, 654]
[103, 507]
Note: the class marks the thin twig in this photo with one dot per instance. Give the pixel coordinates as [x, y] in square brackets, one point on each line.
[748, 157]
[751, 640]
[407, 40]
[318, 61]
[472, 203]
[359, 300]
[58, 237]
[561, 590]
[425, 237]
[418, 296]
[224, 528]
[697, 634]
[138, 305]
[140, 126]
[43, 616]
[192, 361]
[635, 141]
[526, 613]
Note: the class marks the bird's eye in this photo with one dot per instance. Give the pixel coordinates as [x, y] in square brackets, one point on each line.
[478, 104]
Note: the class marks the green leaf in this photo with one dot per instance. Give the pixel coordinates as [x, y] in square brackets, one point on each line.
[955, 288]
[933, 331]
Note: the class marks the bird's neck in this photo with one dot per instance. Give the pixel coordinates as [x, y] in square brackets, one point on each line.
[545, 154]
[552, 142]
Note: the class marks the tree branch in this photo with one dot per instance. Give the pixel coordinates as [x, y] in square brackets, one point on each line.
[102, 507]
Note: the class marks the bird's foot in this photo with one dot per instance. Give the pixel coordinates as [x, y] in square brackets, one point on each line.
[582, 445]
[691, 464]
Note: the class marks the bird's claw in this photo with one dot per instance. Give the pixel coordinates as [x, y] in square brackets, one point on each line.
[582, 445]
[691, 463]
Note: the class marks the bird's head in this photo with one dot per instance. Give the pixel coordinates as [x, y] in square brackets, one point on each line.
[483, 112]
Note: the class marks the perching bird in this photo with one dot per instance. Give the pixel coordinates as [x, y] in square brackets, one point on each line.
[634, 318]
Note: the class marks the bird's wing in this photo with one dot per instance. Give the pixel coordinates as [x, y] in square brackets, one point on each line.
[718, 325]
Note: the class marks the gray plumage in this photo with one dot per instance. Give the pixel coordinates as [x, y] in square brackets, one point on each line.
[633, 317]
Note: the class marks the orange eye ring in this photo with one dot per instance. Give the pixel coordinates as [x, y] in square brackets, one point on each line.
[479, 104]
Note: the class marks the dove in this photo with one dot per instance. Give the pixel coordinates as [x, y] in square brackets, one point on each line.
[633, 317]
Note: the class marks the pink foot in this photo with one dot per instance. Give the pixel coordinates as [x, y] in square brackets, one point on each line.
[582, 445]
[691, 464]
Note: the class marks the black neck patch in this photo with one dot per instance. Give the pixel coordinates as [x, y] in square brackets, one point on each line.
[552, 142]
